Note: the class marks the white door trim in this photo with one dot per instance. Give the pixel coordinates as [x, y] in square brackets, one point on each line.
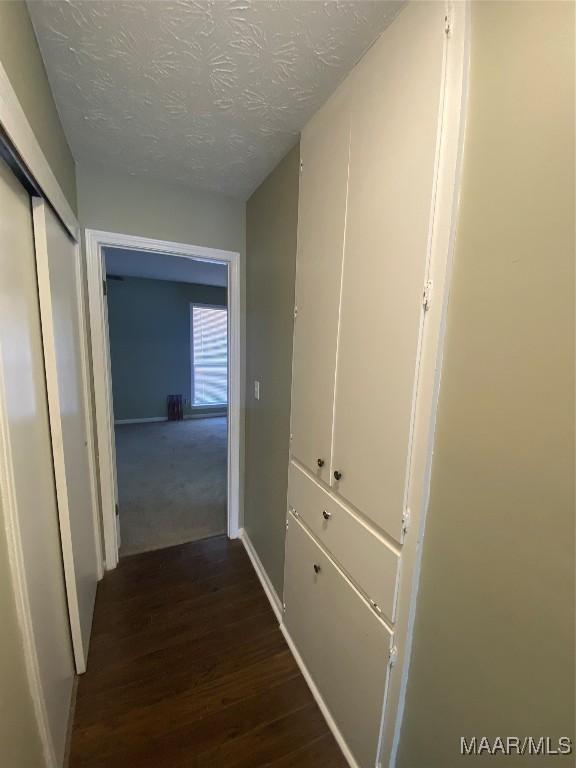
[95, 241]
[441, 244]
[88, 413]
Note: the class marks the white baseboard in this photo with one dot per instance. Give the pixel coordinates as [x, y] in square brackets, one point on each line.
[118, 422]
[349, 757]
[205, 415]
[271, 593]
[140, 421]
[277, 607]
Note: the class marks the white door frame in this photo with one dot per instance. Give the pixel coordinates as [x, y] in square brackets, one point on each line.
[448, 177]
[96, 240]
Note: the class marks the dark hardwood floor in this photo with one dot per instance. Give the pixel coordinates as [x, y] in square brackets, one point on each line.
[188, 669]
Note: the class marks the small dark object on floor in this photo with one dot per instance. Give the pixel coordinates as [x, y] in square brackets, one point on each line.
[175, 408]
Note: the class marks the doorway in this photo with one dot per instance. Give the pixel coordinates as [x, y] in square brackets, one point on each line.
[164, 321]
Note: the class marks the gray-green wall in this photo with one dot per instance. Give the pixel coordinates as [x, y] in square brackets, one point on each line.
[494, 635]
[20, 57]
[149, 324]
[271, 225]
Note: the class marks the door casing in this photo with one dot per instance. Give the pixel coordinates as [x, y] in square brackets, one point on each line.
[96, 241]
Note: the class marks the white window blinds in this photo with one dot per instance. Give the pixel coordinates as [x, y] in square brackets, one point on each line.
[209, 356]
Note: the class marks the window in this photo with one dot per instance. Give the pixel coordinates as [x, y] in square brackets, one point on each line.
[209, 326]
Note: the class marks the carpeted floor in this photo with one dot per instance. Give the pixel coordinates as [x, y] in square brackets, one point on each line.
[171, 482]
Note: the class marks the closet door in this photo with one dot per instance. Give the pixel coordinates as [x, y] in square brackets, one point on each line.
[29, 488]
[397, 90]
[321, 223]
[57, 258]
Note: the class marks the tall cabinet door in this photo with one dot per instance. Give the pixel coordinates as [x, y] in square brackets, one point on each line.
[321, 225]
[57, 259]
[397, 90]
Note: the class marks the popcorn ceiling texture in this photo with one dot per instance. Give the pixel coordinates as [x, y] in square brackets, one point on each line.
[209, 94]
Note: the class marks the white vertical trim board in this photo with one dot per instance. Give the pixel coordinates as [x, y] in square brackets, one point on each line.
[267, 585]
[88, 415]
[234, 405]
[102, 400]
[448, 182]
[96, 240]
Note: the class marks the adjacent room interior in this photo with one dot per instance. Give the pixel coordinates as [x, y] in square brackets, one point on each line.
[168, 333]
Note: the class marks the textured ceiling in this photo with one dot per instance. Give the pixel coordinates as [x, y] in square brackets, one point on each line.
[209, 94]
[159, 266]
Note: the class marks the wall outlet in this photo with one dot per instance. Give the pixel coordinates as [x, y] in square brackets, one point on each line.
[256, 390]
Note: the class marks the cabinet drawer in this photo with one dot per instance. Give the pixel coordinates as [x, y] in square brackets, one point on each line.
[341, 640]
[368, 560]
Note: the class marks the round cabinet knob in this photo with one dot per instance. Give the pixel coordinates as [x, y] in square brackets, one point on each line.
[337, 475]
[326, 515]
[320, 462]
[317, 568]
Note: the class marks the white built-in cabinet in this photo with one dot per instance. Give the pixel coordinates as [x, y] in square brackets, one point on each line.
[395, 116]
[321, 230]
[369, 173]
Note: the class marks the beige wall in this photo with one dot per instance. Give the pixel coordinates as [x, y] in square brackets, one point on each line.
[20, 57]
[149, 208]
[271, 226]
[494, 636]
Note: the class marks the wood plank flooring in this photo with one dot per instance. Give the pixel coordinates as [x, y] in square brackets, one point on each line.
[188, 669]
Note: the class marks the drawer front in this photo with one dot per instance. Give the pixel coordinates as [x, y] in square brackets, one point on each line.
[370, 563]
[342, 641]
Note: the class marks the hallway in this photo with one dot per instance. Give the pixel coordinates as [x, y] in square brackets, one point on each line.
[188, 669]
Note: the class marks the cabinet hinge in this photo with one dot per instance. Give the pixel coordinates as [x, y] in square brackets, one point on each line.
[375, 607]
[301, 166]
[405, 521]
[295, 312]
[393, 656]
[104, 288]
[427, 295]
